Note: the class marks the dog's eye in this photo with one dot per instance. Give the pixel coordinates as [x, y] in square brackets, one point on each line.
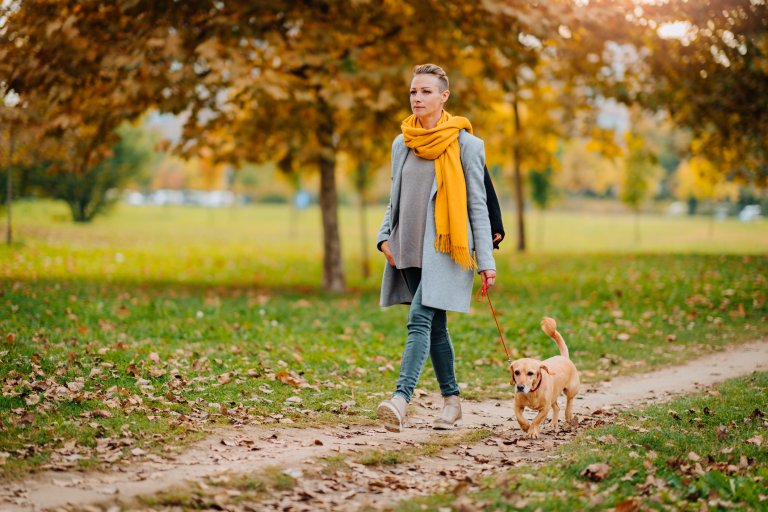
[517, 372]
[530, 373]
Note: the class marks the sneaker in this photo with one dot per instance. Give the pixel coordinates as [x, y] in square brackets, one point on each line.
[392, 413]
[450, 416]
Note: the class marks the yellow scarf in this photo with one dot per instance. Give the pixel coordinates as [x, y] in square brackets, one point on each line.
[441, 144]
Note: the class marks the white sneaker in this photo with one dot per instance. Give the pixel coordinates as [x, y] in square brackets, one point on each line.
[392, 413]
[450, 416]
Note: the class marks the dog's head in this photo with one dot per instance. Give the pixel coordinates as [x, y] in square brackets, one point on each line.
[527, 374]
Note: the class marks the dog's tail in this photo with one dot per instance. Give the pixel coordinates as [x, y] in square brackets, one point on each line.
[549, 326]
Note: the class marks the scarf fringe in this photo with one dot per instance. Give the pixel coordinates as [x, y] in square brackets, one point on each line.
[459, 254]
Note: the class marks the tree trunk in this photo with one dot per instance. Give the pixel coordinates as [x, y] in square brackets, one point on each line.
[637, 228]
[362, 171]
[333, 268]
[519, 195]
[540, 231]
[9, 187]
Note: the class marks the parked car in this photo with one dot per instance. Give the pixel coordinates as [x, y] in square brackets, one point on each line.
[750, 212]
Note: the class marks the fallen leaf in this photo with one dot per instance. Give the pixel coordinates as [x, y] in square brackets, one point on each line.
[608, 439]
[596, 472]
[290, 378]
[628, 505]
[722, 432]
[75, 386]
[629, 476]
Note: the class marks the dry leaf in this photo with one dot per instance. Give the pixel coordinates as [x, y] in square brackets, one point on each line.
[722, 432]
[75, 386]
[629, 476]
[608, 439]
[628, 505]
[290, 378]
[596, 472]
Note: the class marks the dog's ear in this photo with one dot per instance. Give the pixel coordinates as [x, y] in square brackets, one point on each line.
[546, 369]
[512, 371]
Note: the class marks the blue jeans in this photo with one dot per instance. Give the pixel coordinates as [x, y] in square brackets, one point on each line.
[427, 335]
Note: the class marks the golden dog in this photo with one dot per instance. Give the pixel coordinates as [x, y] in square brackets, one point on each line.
[538, 383]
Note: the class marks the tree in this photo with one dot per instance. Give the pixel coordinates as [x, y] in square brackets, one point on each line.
[706, 63]
[95, 190]
[587, 168]
[541, 193]
[261, 80]
[698, 179]
[640, 171]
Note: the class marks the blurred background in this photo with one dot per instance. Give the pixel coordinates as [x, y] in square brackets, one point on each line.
[613, 125]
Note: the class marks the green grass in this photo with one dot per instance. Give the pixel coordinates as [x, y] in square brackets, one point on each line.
[699, 451]
[236, 489]
[160, 323]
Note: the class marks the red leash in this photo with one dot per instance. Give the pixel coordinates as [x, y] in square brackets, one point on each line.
[483, 292]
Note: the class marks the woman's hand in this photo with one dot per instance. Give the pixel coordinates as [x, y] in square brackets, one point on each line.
[489, 277]
[387, 252]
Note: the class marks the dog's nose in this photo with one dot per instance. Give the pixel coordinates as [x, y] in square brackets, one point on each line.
[520, 387]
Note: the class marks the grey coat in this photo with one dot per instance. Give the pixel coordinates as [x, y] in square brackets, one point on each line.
[444, 284]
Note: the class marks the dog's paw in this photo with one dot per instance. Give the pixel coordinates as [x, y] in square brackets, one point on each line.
[532, 434]
[525, 426]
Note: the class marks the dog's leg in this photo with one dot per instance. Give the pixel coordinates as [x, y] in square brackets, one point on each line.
[555, 415]
[569, 409]
[533, 430]
[570, 393]
[521, 419]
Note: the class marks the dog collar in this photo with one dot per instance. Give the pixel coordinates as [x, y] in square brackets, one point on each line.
[541, 378]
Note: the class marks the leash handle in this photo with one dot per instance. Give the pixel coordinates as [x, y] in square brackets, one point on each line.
[479, 296]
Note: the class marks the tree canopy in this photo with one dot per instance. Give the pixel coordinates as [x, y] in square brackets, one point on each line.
[299, 82]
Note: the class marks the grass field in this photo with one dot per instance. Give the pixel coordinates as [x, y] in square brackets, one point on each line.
[158, 322]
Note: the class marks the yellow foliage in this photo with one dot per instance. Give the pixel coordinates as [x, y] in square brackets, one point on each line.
[585, 168]
[700, 178]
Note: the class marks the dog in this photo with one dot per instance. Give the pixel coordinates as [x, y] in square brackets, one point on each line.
[538, 383]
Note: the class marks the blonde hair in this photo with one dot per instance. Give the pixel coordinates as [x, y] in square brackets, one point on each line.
[432, 69]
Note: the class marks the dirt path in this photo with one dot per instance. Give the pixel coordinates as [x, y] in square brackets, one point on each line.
[299, 452]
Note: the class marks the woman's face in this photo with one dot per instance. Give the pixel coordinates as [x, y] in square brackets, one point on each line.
[426, 99]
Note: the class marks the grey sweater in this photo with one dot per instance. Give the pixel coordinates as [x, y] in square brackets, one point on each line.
[407, 238]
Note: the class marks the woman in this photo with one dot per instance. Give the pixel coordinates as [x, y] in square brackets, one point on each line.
[436, 219]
